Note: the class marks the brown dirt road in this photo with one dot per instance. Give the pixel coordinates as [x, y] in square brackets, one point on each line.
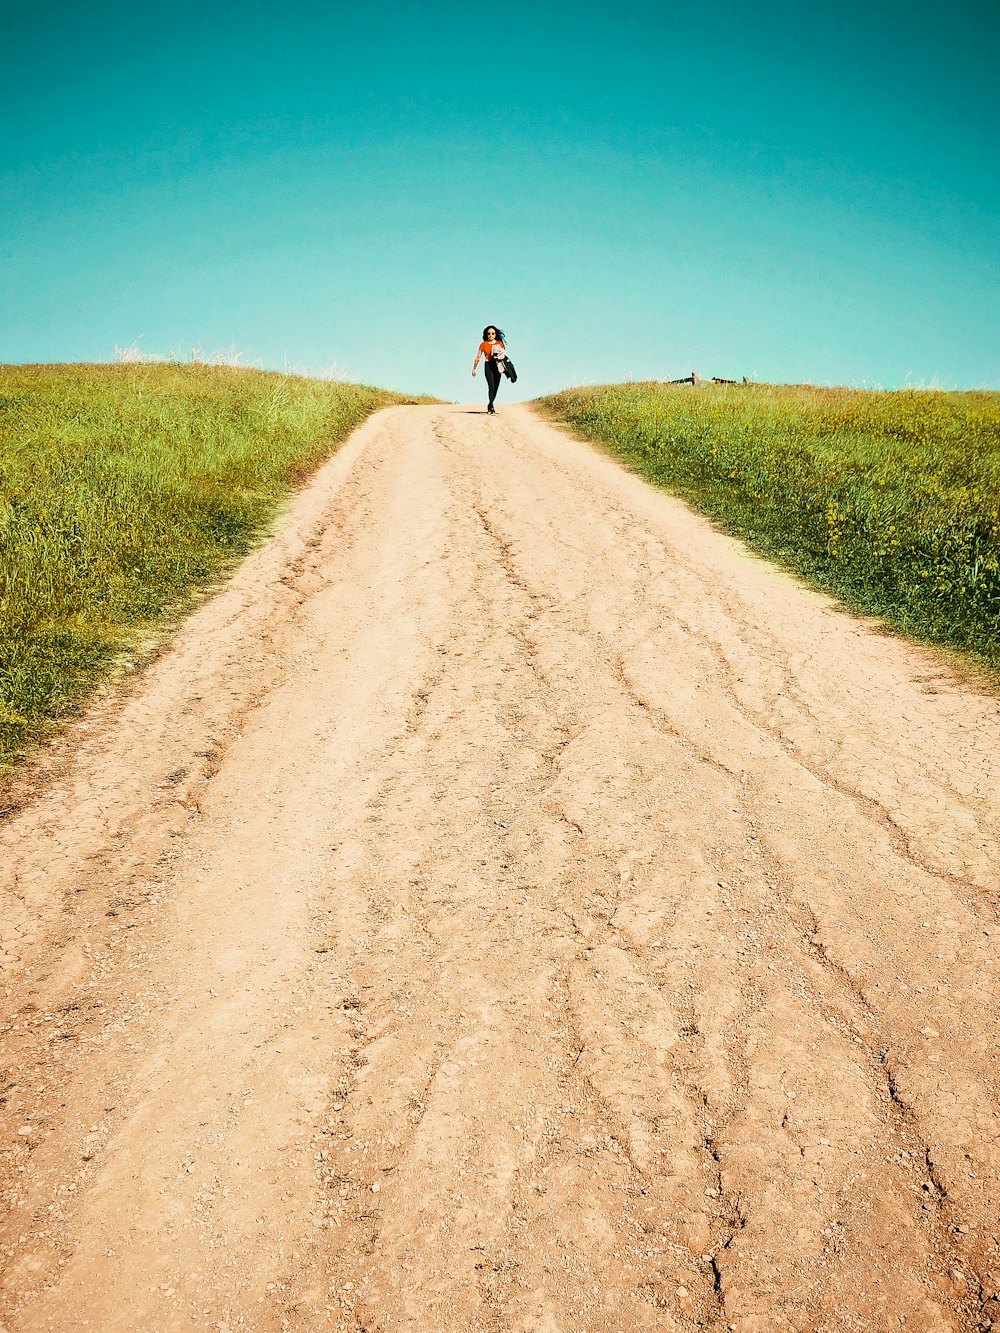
[506, 906]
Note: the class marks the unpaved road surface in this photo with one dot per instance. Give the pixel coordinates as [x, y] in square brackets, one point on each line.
[506, 906]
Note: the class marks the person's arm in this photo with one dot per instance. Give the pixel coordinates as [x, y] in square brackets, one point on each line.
[479, 352]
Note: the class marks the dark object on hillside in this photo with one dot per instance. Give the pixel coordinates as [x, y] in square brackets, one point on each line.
[508, 369]
[695, 378]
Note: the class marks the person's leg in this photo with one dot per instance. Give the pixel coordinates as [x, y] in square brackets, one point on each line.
[493, 380]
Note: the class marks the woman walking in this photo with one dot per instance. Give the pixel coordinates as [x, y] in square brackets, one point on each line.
[493, 350]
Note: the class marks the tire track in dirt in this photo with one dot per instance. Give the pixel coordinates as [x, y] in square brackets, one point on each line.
[507, 906]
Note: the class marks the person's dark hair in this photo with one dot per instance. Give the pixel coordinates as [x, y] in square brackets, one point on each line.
[500, 337]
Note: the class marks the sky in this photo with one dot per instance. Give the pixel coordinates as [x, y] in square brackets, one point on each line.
[788, 191]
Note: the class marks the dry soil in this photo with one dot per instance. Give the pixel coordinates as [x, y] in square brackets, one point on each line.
[506, 905]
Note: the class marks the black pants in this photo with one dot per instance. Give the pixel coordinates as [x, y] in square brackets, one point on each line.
[492, 377]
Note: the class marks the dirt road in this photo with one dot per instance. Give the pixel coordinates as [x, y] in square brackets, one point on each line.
[507, 906]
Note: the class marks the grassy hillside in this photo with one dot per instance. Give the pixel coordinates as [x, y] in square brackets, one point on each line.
[889, 500]
[123, 490]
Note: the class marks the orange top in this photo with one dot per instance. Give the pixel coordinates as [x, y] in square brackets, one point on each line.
[487, 348]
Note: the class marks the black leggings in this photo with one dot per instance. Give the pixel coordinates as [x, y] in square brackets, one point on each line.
[492, 377]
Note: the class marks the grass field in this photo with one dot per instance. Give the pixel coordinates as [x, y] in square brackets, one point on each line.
[888, 500]
[124, 490]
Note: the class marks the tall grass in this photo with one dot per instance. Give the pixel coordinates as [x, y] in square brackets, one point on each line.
[889, 500]
[125, 489]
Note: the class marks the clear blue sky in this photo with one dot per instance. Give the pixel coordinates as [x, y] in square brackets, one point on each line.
[791, 191]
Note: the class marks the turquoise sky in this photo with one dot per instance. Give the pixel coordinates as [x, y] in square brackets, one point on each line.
[776, 190]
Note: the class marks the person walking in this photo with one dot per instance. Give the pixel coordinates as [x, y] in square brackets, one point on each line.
[492, 348]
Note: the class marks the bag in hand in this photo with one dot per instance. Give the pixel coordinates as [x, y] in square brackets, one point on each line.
[508, 370]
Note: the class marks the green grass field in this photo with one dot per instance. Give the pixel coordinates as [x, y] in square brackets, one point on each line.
[888, 500]
[123, 491]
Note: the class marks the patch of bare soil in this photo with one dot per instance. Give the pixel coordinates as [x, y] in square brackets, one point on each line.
[507, 906]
